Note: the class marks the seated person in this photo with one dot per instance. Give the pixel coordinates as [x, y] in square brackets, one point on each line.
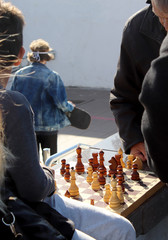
[27, 179]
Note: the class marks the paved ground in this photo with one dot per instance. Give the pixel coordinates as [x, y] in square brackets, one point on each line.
[96, 102]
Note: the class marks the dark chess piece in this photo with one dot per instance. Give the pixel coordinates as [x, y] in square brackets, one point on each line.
[79, 168]
[135, 174]
[62, 170]
[67, 172]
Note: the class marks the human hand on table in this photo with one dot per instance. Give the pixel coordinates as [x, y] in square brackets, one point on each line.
[138, 150]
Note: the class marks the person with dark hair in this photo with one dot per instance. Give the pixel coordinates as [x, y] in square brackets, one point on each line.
[46, 93]
[142, 37]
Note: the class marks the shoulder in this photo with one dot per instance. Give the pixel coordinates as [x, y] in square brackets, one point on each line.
[136, 22]
[138, 17]
[14, 100]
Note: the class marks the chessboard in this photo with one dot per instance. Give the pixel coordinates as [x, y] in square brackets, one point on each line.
[135, 194]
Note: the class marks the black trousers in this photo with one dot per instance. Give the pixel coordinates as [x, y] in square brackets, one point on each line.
[47, 141]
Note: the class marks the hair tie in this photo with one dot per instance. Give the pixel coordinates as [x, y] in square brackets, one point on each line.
[36, 56]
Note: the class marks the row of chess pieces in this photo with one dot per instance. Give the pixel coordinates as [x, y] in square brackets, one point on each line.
[96, 175]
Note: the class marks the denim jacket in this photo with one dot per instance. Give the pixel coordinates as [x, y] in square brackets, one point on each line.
[46, 93]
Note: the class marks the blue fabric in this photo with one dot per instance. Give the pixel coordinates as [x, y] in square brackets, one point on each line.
[46, 93]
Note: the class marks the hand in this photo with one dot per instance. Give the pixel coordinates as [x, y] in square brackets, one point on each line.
[72, 103]
[138, 150]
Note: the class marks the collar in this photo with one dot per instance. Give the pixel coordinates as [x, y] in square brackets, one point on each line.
[151, 27]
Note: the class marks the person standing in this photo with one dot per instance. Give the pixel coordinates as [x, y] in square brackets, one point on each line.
[141, 41]
[46, 93]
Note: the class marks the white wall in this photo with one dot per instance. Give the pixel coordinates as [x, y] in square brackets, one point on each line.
[85, 34]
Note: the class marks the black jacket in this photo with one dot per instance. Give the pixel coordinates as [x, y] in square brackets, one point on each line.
[142, 37]
[154, 97]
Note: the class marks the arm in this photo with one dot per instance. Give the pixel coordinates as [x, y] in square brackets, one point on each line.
[124, 96]
[57, 91]
[138, 49]
[30, 180]
[154, 97]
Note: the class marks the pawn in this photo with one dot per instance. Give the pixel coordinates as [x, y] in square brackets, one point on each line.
[89, 178]
[95, 184]
[131, 158]
[138, 161]
[67, 172]
[135, 174]
[120, 194]
[67, 194]
[62, 170]
[129, 164]
[107, 194]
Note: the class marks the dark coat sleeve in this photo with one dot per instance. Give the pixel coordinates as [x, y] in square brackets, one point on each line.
[31, 182]
[136, 53]
[154, 97]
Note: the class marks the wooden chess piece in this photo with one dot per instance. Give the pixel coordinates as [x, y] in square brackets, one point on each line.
[139, 162]
[130, 157]
[62, 170]
[114, 201]
[120, 151]
[101, 177]
[89, 178]
[101, 164]
[120, 171]
[67, 172]
[118, 157]
[95, 184]
[67, 194]
[120, 182]
[112, 167]
[135, 174]
[120, 194]
[79, 165]
[129, 164]
[91, 162]
[95, 161]
[73, 189]
[107, 194]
